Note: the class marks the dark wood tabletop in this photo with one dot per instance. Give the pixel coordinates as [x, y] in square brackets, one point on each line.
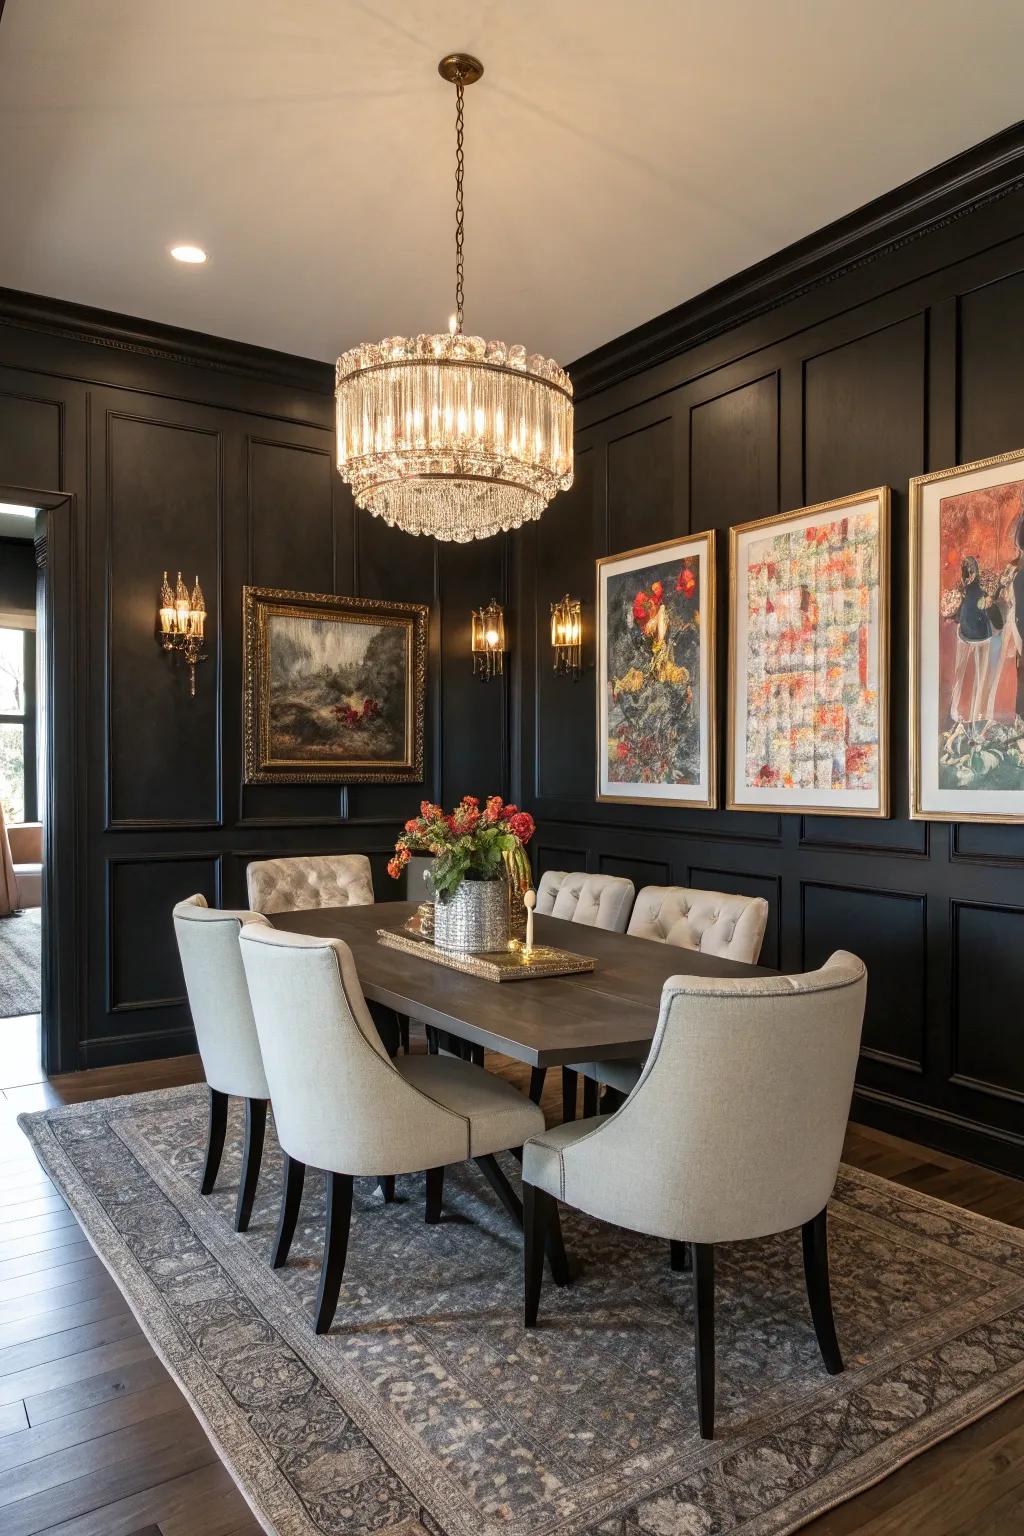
[608, 1012]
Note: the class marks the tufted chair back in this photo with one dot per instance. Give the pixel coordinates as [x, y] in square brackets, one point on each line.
[218, 996]
[599, 901]
[289, 885]
[710, 921]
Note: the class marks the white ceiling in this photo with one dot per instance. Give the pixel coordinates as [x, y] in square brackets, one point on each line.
[622, 155]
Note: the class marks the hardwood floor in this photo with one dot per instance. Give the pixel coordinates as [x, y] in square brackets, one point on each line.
[96, 1440]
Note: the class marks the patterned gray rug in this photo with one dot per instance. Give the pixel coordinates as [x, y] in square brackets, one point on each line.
[20, 963]
[428, 1411]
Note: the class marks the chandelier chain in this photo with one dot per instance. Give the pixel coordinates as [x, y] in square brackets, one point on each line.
[460, 214]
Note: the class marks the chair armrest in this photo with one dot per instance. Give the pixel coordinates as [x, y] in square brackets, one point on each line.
[26, 842]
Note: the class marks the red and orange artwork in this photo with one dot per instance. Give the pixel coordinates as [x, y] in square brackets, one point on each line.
[981, 621]
[812, 633]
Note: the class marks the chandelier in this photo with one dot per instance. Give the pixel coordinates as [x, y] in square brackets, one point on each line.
[449, 434]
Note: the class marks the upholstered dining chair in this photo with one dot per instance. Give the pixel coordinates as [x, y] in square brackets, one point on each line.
[323, 880]
[712, 922]
[342, 1105]
[598, 901]
[733, 1132]
[219, 1001]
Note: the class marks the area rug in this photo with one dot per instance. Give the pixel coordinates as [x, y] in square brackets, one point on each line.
[20, 963]
[429, 1411]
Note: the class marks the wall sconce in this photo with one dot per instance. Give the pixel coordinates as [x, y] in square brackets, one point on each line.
[567, 636]
[182, 618]
[488, 643]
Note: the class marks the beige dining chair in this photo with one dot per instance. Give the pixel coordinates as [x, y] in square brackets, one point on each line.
[710, 922]
[342, 1105]
[596, 901]
[323, 880]
[226, 1035]
[733, 1132]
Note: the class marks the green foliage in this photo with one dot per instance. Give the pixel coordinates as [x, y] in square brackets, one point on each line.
[475, 855]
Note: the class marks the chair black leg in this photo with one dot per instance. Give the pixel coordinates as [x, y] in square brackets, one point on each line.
[569, 1081]
[819, 1293]
[589, 1098]
[339, 1217]
[556, 1247]
[252, 1156]
[215, 1140]
[387, 1188]
[679, 1256]
[435, 1189]
[704, 1335]
[537, 1076]
[432, 1042]
[491, 1171]
[537, 1208]
[403, 1031]
[291, 1199]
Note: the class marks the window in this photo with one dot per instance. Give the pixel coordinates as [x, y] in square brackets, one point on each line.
[17, 721]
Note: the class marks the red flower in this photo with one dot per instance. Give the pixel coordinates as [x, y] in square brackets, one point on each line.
[430, 812]
[412, 825]
[686, 582]
[510, 810]
[644, 607]
[522, 826]
[394, 868]
[493, 810]
[657, 590]
[470, 800]
[622, 750]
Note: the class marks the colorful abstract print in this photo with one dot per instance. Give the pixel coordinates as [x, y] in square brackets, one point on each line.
[981, 649]
[653, 660]
[812, 656]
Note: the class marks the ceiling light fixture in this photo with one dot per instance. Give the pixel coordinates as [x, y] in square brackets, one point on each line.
[448, 434]
[191, 255]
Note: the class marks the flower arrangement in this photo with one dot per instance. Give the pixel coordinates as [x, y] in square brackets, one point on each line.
[467, 844]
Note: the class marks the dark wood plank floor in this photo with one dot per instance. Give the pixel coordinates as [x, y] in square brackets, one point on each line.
[96, 1440]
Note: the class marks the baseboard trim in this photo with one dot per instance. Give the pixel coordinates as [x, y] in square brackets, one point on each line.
[990, 1146]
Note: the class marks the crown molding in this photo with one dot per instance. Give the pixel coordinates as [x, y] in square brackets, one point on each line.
[958, 187]
[169, 343]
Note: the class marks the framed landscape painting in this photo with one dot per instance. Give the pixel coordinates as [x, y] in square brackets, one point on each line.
[809, 659]
[966, 629]
[334, 688]
[656, 674]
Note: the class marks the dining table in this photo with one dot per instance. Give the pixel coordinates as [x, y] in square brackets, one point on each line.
[600, 1015]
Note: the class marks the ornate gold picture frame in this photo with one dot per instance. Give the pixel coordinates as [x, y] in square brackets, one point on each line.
[808, 705]
[334, 688]
[967, 642]
[656, 710]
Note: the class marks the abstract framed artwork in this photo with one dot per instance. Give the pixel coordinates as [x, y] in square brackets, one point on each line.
[334, 688]
[966, 642]
[809, 659]
[656, 674]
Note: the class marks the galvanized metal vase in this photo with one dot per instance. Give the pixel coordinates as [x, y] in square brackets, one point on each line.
[474, 919]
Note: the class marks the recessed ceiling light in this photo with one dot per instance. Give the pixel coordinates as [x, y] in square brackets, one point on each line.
[194, 255]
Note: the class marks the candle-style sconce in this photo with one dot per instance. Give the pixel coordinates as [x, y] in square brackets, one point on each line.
[182, 621]
[488, 641]
[567, 636]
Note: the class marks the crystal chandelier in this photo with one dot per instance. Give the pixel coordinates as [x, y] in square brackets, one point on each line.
[449, 434]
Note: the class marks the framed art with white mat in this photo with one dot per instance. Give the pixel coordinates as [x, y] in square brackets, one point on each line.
[656, 674]
[809, 659]
[966, 627]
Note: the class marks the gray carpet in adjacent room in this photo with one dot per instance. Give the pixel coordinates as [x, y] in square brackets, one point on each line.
[428, 1411]
[20, 963]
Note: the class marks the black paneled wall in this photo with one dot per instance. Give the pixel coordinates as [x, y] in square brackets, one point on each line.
[909, 361]
[181, 452]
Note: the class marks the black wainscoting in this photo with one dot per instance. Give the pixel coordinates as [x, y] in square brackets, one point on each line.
[177, 449]
[884, 347]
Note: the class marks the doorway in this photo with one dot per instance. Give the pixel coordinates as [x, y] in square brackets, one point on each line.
[21, 826]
